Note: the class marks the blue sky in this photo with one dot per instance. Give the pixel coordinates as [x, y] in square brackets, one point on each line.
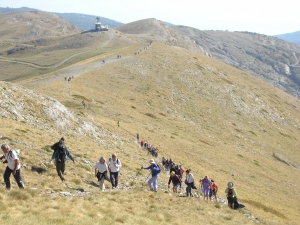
[268, 17]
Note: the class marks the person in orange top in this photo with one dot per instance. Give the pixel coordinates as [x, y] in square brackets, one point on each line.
[213, 190]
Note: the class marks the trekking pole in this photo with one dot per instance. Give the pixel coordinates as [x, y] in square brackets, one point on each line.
[138, 172]
[147, 178]
[199, 191]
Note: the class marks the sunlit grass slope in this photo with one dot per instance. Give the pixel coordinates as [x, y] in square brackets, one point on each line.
[204, 115]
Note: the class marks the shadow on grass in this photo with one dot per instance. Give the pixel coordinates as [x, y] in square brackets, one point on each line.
[38, 169]
[264, 207]
[91, 182]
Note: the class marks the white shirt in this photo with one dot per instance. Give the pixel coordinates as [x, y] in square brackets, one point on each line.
[101, 167]
[190, 178]
[11, 157]
[114, 165]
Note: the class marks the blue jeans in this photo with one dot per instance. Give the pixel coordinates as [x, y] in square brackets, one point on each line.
[153, 180]
[17, 177]
[114, 178]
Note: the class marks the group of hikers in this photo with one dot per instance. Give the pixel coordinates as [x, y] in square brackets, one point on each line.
[150, 148]
[69, 78]
[207, 186]
[102, 167]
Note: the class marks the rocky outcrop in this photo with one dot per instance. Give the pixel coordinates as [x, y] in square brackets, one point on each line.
[45, 113]
[269, 58]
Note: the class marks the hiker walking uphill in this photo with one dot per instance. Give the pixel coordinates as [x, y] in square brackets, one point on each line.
[175, 180]
[57, 144]
[114, 165]
[155, 170]
[60, 155]
[13, 166]
[101, 172]
[231, 194]
[213, 190]
[205, 186]
[189, 182]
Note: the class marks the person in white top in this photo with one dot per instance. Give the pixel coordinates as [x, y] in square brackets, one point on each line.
[101, 172]
[114, 165]
[13, 166]
[189, 182]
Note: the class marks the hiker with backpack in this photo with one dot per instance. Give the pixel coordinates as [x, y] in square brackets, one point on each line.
[114, 165]
[189, 181]
[101, 169]
[231, 195]
[56, 145]
[175, 180]
[13, 166]
[155, 170]
[60, 156]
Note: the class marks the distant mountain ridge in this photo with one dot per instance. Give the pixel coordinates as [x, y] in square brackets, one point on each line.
[293, 37]
[33, 24]
[269, 58]
[9, 10]
[87, 22]
[82, 21]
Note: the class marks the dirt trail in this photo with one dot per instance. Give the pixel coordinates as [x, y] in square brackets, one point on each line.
[58, 64]
[297, 61]
[75, 71]
[43, 67]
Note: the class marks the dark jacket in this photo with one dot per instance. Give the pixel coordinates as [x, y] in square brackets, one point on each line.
[175, 180]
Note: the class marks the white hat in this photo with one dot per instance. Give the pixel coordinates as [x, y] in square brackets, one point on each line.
[230, 185]
[151, 161]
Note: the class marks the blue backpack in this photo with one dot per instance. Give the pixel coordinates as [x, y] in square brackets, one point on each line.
[158, 168]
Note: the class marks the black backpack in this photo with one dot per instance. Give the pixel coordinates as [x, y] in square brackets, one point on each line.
[110, 160]
[61, 153]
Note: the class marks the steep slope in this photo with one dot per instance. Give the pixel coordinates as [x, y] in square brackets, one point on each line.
[32, 25]
[203, 114]
[269, 58]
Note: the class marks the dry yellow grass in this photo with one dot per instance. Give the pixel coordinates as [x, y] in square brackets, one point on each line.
[203, 114]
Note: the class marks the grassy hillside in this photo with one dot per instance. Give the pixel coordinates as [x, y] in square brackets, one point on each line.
[23, 26]
[202, 113]
[43, 55]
